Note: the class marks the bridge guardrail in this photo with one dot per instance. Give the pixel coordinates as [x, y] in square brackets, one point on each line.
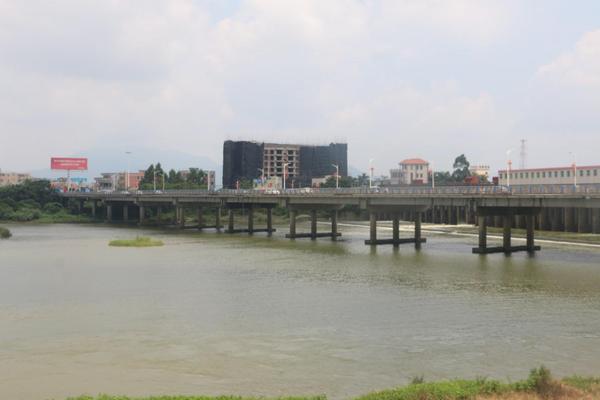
[440, 190]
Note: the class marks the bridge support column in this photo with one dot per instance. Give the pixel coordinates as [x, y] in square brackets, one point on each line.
[269, 221]
[231, 224]
[568, 219]
[125, 212]
[481, 221]
[142, 212]
[181, 214]
[334, 225]
[251, 220]
[158, 214]
[582, 220]
[218, 219]
[94, 207]
[595, 220]
[293, 215]
[530, 222]
[313, 224]
[417, 230]
[200, 218]
[506, 233]
[109, 212]
[373, 228]
[396, 230]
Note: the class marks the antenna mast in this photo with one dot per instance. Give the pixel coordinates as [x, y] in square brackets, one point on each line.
[523, 163]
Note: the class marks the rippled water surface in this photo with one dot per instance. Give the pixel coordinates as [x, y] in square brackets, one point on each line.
[217, 314]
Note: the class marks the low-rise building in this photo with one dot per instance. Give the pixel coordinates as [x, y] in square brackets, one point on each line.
[569, 175]
[412, 171]
[13, 178]
[480, 170]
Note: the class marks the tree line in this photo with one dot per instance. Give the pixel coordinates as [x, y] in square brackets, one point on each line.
[155, 177]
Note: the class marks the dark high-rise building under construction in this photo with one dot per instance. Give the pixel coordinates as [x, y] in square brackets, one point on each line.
[244, 160]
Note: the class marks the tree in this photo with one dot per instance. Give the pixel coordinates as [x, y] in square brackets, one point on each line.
[362, 180]
[461, 169]
[345, 181]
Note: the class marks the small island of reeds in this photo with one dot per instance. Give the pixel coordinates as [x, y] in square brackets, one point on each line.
[4, 233]
[139, 241]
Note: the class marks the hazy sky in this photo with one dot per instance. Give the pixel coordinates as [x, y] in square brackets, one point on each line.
[393, 78]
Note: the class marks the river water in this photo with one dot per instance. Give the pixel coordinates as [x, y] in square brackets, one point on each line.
[219, 314]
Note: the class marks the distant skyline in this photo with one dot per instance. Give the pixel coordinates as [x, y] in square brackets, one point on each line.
[394, 79]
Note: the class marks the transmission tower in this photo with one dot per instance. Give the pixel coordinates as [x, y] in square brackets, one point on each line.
[523, 163]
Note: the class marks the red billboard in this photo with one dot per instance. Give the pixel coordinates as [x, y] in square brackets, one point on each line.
[69, 163]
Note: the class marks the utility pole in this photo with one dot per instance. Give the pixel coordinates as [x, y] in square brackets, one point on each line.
[337, 176]
[371, 173]
[509, 164]
[285, 165]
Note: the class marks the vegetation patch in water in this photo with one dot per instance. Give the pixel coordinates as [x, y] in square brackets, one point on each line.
[139, 241]
[4, 233]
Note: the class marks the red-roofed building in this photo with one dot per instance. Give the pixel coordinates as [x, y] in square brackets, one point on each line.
[412, 171]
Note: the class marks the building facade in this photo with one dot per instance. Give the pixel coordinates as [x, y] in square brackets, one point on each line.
[412, 171]
[551, 176]
[13, 178]
[480, 170]
[244, 160]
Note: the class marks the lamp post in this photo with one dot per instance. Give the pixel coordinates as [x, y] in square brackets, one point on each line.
[337, 175]
[371, 173]
[285, 165]
[432, 176]
[509, 164]
[573, 157]
[127, 171]
[154, 179]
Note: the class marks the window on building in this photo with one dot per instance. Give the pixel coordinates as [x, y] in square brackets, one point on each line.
[568, 174]
[595, 172]
[562, 174]
[543, 174]
[588, 172]
[556, 174]
[537, 174]
[580, 172]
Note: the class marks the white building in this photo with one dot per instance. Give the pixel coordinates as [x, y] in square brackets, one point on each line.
[551, 176]
[410, 172]
[480, 170]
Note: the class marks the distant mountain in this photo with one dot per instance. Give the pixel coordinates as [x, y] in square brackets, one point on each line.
[112, 159]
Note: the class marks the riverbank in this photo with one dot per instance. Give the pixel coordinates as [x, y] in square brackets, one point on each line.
[538, 386]
[139, 241]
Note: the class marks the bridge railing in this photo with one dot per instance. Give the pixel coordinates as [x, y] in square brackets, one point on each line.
[410, 190]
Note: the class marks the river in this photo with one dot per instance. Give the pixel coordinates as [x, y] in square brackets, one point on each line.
[232, 314]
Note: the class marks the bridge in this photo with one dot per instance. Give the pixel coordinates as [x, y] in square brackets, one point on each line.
[570, 209]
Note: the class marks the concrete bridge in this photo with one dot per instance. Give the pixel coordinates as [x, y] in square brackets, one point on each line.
[572, 210]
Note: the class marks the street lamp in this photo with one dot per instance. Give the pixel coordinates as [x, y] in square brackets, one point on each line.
[509, 164]
[432, 176]
[285, 165]
[337, 175]
[574, 157]
[127, 171]
[371, 173]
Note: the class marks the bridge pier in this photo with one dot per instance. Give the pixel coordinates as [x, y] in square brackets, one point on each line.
[395, 240]
[109, 212]
[142, 212]
[507, 216]
[269, 221]
[94, 208]
[313, 234]
[125, 212]
[199, 218]
[595, 220]
[250, 228]
[218, 219]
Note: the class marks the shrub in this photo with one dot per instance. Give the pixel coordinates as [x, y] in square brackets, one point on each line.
[29, 203]
[53, 208]
[26, 215]
[4, 233]
[6, 211]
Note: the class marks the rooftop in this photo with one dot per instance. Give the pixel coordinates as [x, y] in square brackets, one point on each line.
[414, 161]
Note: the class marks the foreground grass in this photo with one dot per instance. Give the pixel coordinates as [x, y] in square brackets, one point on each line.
[4, 233]
[538, 386]
[139, 241]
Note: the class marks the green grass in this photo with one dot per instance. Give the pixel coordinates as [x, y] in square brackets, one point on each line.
[139, 241]
[4, 233]
[538, 385]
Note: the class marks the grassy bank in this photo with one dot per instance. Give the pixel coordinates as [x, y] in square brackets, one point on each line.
[139, 241]
[538, 386]
[4, 233]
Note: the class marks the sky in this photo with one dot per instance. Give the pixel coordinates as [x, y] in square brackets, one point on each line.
[394, 79]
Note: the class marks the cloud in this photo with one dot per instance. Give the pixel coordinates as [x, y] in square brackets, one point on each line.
[579, 67]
